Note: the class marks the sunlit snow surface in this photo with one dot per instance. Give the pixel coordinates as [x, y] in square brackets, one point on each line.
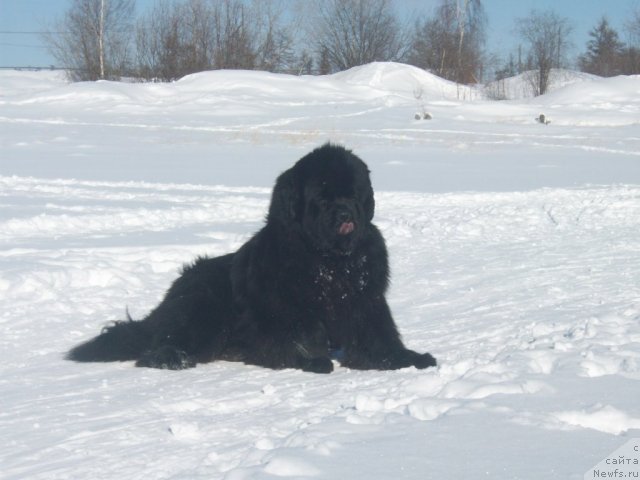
[515, 255]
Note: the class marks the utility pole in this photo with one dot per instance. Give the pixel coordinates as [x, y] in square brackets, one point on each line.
[101, 39]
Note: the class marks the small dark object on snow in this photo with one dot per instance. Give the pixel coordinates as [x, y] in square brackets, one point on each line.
[542, 119]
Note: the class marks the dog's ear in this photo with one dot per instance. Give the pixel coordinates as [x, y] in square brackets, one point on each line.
[369, 204]
[285, 199]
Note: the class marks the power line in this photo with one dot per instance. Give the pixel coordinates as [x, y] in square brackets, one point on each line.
[21, 45]
[13, 32]
[34, 68]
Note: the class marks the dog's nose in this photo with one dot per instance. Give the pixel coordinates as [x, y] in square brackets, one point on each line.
[344, 216]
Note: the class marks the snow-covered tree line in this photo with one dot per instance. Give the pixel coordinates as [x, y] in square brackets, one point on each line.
[105, 39]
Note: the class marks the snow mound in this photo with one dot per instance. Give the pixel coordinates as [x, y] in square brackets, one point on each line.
[405, 80]
[240, 81]
[597, 101]
[14, 82]
[602, 418]
[367, 81]
[521, 86]
[575, 98]
[375, 81]
[598, 92]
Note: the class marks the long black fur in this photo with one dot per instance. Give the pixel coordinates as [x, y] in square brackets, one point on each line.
[308, 287]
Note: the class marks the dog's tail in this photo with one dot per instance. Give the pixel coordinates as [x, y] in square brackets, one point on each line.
[125, 340]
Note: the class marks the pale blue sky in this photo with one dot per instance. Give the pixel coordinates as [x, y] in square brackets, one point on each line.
[34, 15]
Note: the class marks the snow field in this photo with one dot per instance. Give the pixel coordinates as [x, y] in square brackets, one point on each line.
[513, 293]
[514, 253]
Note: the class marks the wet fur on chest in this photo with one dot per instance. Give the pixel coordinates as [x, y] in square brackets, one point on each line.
[338, 287]
[336, 283]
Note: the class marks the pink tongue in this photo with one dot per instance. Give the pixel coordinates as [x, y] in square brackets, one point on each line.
[346, 228]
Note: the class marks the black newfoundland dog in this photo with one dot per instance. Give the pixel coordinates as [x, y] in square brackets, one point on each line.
[307, 288]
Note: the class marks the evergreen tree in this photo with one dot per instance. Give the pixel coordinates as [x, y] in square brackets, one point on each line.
[603, 51]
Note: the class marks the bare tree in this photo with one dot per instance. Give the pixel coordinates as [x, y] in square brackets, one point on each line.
[303, 64]
[631, 53]
[198, 34]
[451, 43]
[354, 32]
[158, 43]
[324, 64]
[273, 40]
[176, 39]
[547, 36]
[233, 35]
[92, 39]
[633, 28]
[434, 43]
[179, 38]
[471, 21]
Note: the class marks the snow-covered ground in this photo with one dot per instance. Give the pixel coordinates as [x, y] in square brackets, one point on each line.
[515, 259]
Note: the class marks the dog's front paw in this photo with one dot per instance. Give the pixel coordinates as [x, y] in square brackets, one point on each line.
[167, 357]
[424, 360]
[318, 365]
[409, 358]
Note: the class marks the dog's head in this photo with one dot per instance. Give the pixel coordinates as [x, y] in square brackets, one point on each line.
[327, 196]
